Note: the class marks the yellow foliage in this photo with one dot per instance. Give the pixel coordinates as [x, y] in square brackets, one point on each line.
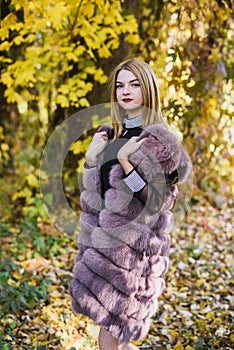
[80, 146]
[6, 79]
[4, 33]
[50, 30]
[60, 37]
[210, 315]
[5, 46]
[104, 52]
[56, 15]
[12, 96]
[178, 346]
[24, 193]
[84, 102]
[88, 9]
[133, 38]
[32, 180]
[10, 20]
[18, 40]
[4, 147]
[173, 333]
[62, 100]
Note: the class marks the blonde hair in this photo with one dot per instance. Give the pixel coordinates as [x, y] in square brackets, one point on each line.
[151, 98]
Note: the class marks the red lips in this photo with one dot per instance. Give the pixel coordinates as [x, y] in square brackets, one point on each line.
[127, 100]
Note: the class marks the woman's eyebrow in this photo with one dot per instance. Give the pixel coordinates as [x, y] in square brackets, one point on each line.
[131, 81]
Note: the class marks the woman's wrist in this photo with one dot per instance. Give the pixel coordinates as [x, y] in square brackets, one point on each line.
[125, 164]
[122, 157]
[91, 162]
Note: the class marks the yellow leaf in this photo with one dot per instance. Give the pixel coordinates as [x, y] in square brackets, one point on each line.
[4, 33]
[189, 348]
[104, 52]
[113, 44]
[178, 346]
[6, 79]
[80, 92]
[73, 96]
[4, 147]
[200, 282]
[5, 46]
[84, 102]
[10, 20]
[18, 40]
[5, 60]
[71, 57]
[88, 86]
[217, 320]
[88, 10]
[80, 146]
[64, 89]
[32, 180]
[57, 14]
[62, 100]
[174, 334]
[12, 95]
[191, 83]
[79, 50]
[210, 315]
[25, 193]
[30, 38]
[132, 38]
[100, 76]
[24, 72]
[17, 275]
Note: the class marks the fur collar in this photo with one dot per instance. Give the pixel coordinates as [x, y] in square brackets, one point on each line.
[161, 152]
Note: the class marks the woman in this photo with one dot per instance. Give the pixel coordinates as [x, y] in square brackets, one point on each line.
[129, 191]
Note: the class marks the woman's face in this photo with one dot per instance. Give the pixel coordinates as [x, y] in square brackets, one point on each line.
[128, 93]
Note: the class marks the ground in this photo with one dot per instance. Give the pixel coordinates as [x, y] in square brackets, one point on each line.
[195, 310]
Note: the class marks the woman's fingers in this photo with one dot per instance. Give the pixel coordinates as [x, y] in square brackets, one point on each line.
[141, 141]
[103, 134]
[97, 145]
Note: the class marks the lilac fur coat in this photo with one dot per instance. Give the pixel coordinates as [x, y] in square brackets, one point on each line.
[123, 248]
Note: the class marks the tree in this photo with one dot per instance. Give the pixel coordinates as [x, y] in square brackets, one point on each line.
[52, 53]
[189, 45]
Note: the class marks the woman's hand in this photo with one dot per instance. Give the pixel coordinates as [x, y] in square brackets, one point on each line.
[96, 146]
[130, 147]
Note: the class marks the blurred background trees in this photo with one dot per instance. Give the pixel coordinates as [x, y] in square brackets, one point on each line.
[56, 57]
[55, 60]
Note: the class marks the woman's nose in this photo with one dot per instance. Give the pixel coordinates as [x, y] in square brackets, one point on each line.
[126, 90]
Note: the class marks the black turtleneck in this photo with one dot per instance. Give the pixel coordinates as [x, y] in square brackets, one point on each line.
[110, 155]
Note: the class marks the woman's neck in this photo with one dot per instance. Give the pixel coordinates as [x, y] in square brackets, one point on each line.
[134, 113]
[133, 122]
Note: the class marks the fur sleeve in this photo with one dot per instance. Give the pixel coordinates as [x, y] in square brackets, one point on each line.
[162, 152]
[91, 181]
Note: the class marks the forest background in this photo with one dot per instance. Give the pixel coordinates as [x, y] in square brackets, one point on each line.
[56, 57]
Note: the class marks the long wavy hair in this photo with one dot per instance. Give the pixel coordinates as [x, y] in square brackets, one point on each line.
[151, 99]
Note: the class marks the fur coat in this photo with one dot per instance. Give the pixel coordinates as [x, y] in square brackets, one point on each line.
[119, 270]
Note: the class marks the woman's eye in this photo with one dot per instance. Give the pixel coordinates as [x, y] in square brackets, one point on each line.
[119, 86]
[135, 85]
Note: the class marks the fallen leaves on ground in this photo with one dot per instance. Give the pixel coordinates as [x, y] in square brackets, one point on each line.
[195, 312]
